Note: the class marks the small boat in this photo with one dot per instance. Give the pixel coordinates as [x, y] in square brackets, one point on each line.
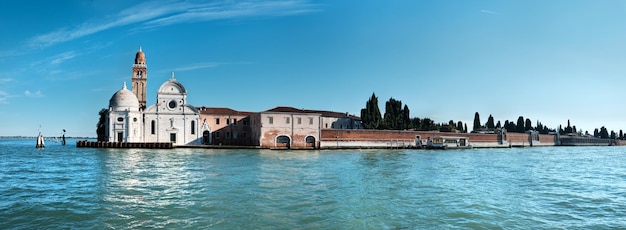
[40, 141]
[448, 142]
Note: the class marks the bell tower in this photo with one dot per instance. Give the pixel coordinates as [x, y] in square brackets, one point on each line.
[140, 78]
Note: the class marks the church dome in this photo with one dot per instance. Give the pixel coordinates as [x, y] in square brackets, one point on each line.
[123, 99]
[172, 86]
[140, 57]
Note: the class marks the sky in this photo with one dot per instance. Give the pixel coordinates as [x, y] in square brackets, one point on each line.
[549, 61]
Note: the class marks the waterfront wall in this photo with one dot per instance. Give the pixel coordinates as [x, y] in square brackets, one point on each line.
[105, 144]
[335, 138]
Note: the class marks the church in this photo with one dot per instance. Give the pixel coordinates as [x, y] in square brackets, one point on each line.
[170, 119]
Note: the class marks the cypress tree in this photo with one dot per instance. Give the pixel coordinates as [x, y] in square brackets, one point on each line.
[393, 114]
[406, 118]
[101, 126]
[370, 115]
[528, 125]
[490, 125]
[476, 122]
[520, 125]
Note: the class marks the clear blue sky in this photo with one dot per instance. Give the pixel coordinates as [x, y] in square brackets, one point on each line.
[61, 61]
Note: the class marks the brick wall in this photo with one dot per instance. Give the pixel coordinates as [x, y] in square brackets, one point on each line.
[331, 138]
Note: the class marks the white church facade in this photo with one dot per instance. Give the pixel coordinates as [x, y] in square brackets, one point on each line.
[170, 119]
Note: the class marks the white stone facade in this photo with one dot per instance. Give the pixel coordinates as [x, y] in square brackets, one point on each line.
[170, 119]
[124, 120]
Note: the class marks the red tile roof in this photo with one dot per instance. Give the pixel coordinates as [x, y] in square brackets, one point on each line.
[221, 111]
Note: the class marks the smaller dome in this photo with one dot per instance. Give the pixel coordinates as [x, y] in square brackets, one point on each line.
[123, 99]
[172, 86]
[140, 57]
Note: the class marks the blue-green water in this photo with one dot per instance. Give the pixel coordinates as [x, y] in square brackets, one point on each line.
[67, 187]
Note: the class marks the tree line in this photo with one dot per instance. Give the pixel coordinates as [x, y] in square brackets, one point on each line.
[397, 117]
[524, 125]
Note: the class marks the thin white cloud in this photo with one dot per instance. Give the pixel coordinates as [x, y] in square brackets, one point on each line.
[205, 65]
[156, 14]
[4, 97]
[33, 94]
[198, 66]
[5, 80]
[60, 58]
[488, 12]
[211, 12]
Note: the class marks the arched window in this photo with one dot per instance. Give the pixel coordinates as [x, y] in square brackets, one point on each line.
[193, 127]
[153, 127]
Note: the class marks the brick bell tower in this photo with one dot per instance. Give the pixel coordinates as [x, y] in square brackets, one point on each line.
[140, 78]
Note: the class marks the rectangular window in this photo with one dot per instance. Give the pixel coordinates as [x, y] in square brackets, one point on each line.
[299, 120]
[310, 120]
[153, 127]
[217, 135]
[172, 137]
[227, 134]
[234, 134]
[193, 127]
[217, 121]
[234, 121]
[228, 121]
[271, 120]
[245, 122]
[286, 120]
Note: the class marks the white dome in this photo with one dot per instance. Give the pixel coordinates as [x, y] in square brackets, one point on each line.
[124, 98]
[172, 86]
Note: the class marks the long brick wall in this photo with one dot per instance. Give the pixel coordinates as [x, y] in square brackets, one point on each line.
[333, 138]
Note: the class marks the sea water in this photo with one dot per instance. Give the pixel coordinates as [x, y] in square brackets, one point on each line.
[551, 187]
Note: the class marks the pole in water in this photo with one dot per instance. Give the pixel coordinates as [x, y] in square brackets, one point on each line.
[63, 138]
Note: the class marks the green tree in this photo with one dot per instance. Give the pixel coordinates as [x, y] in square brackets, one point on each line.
[416, 123]
[406, 118]
[490, 123]
[370, 115]
[613, 135]
[569, 128]
[604, 133]
[476, 122]
[101, 126]
[519, 128]
[528, 125]
[428, 124]
[393, 117]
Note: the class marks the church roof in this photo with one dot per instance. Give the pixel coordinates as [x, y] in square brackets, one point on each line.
[124, 98]
[221, 111]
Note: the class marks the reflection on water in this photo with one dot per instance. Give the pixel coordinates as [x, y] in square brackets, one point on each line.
[66, 187]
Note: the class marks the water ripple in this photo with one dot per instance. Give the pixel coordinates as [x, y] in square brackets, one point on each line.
[66, 187]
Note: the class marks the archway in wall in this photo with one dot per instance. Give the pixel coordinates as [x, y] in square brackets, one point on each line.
[206, 138]
[283, 141]
[310, 141]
